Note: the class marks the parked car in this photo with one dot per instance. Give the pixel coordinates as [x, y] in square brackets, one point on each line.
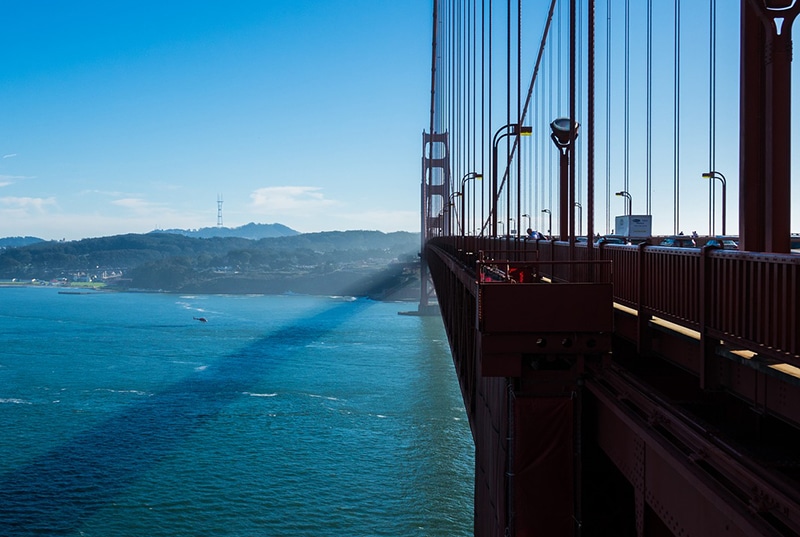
[726, 243]
[610, 239]
[679, 241]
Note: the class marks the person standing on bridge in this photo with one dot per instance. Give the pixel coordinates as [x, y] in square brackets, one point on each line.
[535, 235]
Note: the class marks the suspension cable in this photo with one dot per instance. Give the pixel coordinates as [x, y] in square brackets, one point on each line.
[677, 118]
[712, 113]
[608, 115]
[519, 121]
[627, 102]
[649, 159]
[483, 107]
[590, 131]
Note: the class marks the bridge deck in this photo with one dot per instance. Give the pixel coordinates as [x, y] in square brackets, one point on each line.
[690, 422]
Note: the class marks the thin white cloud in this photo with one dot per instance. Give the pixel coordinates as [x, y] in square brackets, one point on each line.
[389, 220]
[10, 179]
[10, 155]
[24, 203]
[138, 205]
[109, 193]
[289, 199]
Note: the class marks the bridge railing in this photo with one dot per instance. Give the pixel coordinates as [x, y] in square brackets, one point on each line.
[748, 299]
[745, 298]
[755, 301]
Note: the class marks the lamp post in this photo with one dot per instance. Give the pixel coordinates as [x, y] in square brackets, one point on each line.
[564, 132]
[452, 205]
[512, 129]
[628, 203]
[580, 217]
[529, 221]
[467, 177]
[716, 175]
[550, 221]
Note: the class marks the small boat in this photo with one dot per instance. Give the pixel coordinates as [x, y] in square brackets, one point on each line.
[201, 319]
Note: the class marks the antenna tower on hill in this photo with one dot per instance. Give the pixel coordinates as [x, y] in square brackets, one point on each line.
[219, 210]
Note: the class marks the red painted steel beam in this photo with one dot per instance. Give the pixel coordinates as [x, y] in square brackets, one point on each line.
[696, 483]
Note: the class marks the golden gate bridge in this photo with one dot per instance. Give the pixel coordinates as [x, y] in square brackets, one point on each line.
[618, 389]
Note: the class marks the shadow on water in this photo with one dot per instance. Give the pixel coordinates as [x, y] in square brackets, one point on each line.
[56, 491]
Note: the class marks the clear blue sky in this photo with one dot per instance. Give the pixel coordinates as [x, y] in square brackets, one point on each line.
[129, 116]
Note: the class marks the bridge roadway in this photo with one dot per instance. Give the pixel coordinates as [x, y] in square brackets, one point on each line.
[635, 390]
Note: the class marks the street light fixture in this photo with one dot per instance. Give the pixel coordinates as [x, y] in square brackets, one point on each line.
[563, 133]
[628, 203]
[452, 204]
[550, 222]
[467, 177]
[512, 129]
[716, 175]
[529, 221]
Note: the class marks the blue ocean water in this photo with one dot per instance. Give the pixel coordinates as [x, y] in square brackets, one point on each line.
[121, 415]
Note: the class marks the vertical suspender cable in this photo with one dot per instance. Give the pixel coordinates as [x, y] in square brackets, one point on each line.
[579, 141]
[510, 114]
[677, 118]
[474, 111]
[712, 112]
[538, 183]
[608, 115]
[507, 228]
[540, 89]
[550, 92]
[492, 203]
[649, 164]
[488, 134]
[483, 112]
[462, 100]
[519, 115]
[572, 116]
[627, 103]
[560, 107]
[590, 126]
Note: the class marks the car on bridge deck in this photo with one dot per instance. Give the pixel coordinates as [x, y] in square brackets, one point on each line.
[612, 239]
[679, 241]
[726, 243]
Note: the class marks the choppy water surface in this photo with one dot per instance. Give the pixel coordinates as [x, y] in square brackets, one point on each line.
[121, 415]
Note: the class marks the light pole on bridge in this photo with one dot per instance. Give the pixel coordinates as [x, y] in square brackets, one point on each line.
[629, 201]
[452, 205]
[716, 175]
[564, 132]
[549, 223]
[467, 177]
[513, 129]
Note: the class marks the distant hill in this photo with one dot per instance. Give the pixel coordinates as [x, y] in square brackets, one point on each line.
[13, 242]
[248, 231]
[357, 263]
